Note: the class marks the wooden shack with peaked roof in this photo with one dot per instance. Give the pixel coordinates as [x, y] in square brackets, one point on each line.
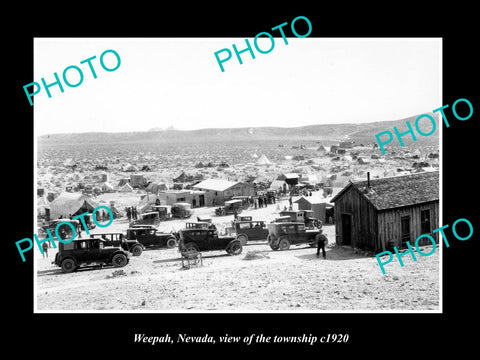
[381, 213]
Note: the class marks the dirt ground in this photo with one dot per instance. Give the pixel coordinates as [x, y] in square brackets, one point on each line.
[292, 280]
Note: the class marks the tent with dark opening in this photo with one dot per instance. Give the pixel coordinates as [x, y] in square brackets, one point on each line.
[67, 204]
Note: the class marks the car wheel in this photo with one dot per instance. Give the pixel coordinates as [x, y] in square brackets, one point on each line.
[68, 265]
[284, 244]
[243, 239]
[137, 250]
[119, 260]
[171, 243]
[235, 248]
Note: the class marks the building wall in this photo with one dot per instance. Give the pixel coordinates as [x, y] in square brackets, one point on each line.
[389, 224]
[220, 197]
[363, 218]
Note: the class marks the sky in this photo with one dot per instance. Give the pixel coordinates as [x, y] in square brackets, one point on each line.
[163, 82]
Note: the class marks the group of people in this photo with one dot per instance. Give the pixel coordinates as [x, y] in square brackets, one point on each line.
[260, 201]
[132, 213]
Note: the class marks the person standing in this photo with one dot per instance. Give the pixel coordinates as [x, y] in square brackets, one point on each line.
[322, 241]
[79, 230]
[45, 249]
[260, 202]
[129, 214]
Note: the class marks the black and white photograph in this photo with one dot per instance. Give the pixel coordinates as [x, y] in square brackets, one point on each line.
[231, 190]
[194, 181]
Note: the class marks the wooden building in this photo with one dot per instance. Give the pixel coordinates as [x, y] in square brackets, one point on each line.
[381, 213]
[217, 191]
[322, 209]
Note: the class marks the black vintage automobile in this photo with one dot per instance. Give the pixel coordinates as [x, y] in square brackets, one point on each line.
[283, 234]
[120, 240]
[230, 207]
[151, 237]
[198, 239]
[250, 230]
[88, 252]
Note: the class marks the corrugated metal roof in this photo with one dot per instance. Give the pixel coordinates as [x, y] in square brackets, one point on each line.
[216, 184]
[398, 191]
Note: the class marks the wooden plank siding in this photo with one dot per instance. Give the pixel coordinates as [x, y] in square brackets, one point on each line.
[372, 229]
[389, 224]
[364, 220]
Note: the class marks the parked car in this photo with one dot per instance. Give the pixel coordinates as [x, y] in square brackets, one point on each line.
[84, 252]
[230, 207]
[151, 237]
[52, 224]
[305, 216]
[283, 234]
[181, 210]
[164, 211]
[199, 225]
[194, 240]
[245, 201]
[250, 230]
[120, 240]
[148, 218]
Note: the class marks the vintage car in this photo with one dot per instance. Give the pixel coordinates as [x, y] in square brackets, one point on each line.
[230, 207]
[199, 225]
[87, 252]
[148, 218]
[250, 230]
[283, 234]
[151, 237]
[245, 201]
[305, 216]
[52, 224]
[195, 240]
[181, 210]
[164, 211]
[120, 240]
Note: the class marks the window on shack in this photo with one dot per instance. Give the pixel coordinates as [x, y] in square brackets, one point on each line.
[425, 221]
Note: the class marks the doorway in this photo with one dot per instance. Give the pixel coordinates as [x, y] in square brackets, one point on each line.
[346, 229]
[405, 225]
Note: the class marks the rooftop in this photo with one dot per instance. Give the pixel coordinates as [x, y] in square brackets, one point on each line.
[398, 191]
[215, 184]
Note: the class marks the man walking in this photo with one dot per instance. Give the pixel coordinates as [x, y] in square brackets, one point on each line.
[322, 241]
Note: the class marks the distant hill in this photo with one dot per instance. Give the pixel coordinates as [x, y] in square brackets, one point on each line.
[364, 132]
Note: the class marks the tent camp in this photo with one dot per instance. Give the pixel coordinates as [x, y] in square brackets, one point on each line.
[107, 187]
[67, 204]
[154, 188]
[130, 167]
[126, 188]
[279, 185]
[263, 160]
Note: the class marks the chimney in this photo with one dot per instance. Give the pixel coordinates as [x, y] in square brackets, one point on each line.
[368, 179]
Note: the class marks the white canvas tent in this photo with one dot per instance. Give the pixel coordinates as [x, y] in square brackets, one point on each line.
[67, 204]
[263, 160]
[107, 187]
[126, 188]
